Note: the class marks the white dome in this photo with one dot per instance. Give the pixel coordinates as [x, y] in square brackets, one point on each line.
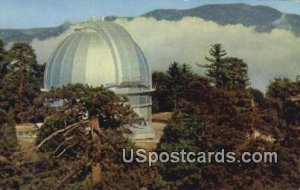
[100, 53]
[104, 54]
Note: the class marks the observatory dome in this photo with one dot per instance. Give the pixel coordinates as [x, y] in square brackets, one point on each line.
[98, 54]
[101, 53]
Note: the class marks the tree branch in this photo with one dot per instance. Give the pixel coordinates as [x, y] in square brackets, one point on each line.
[70, 127]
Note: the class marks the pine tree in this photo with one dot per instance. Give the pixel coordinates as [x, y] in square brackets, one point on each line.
[3, 61]
[237, 74]
[216, 69]
[9, 172]
[228, 120]
[181, 133]
[170, 86]
[230, 73]
[22, 78]
[281, 88]
[2, 50]
[160, 100]
[86, 133]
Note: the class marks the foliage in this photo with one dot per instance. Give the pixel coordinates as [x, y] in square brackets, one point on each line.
[230, 73]
[81, 142]
[21, 80]
[9, 172]
[229, 120]
[212, 118]
[283, 88]
[170, 86]
[181, 133]
[86, 132]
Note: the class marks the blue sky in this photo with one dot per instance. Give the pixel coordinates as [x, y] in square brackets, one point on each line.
[41, 13]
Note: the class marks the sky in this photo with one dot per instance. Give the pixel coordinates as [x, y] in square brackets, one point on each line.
[43, 13]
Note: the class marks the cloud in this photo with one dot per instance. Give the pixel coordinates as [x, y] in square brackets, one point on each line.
[268, 55]
[44, 48]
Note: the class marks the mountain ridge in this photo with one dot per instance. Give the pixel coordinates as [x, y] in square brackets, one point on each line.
[263, 18]
[259, 16]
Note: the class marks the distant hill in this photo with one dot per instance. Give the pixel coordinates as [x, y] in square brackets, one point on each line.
[263, 18]
[27, 35]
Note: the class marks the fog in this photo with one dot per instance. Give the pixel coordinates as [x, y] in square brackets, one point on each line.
[44, 48]
[268, 55]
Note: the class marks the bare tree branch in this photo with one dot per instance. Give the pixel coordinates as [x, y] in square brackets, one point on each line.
[70, 127]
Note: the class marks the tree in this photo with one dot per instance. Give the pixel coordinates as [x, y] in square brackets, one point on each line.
[230, 73]
[229, 120]
[170, 86]
[258, 96]
[281, 88]
[3, 60]
[9, 171]
[86, 132]
[22, 78]
[286, 93]
[181, 133]
[216, 69]
[237, 74]
[2, 50]
[160, 97]
[175, 75]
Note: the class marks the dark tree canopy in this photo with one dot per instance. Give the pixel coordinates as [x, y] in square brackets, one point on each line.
[170, 87]
[21, 80]
[86, 133]
[230, 73]
[218, 119]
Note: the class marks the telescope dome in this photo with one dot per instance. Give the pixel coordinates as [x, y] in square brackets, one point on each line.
[98, 54]
[104, 54]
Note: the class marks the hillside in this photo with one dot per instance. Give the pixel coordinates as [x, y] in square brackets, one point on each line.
[27, 35]
[263, 18]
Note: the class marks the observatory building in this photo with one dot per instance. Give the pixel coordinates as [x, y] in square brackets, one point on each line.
[100, 53]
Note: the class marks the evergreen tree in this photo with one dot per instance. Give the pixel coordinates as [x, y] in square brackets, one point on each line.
[281, 88]
[3, 60]
[181, 133]
[9, 172]
[216, 69]
[160, 97]
[175, 74]
[286, 92]
[22, 78]
[2, 50]
[230, 73]
[237, 74]
[171, 86]
[84, 139]
[232, 121]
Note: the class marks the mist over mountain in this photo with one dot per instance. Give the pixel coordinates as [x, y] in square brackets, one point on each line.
[263, 18]
[262, 36]
[27, 35]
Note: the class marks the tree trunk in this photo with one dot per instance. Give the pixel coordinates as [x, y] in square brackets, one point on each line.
[95, 167]
[21, 86]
